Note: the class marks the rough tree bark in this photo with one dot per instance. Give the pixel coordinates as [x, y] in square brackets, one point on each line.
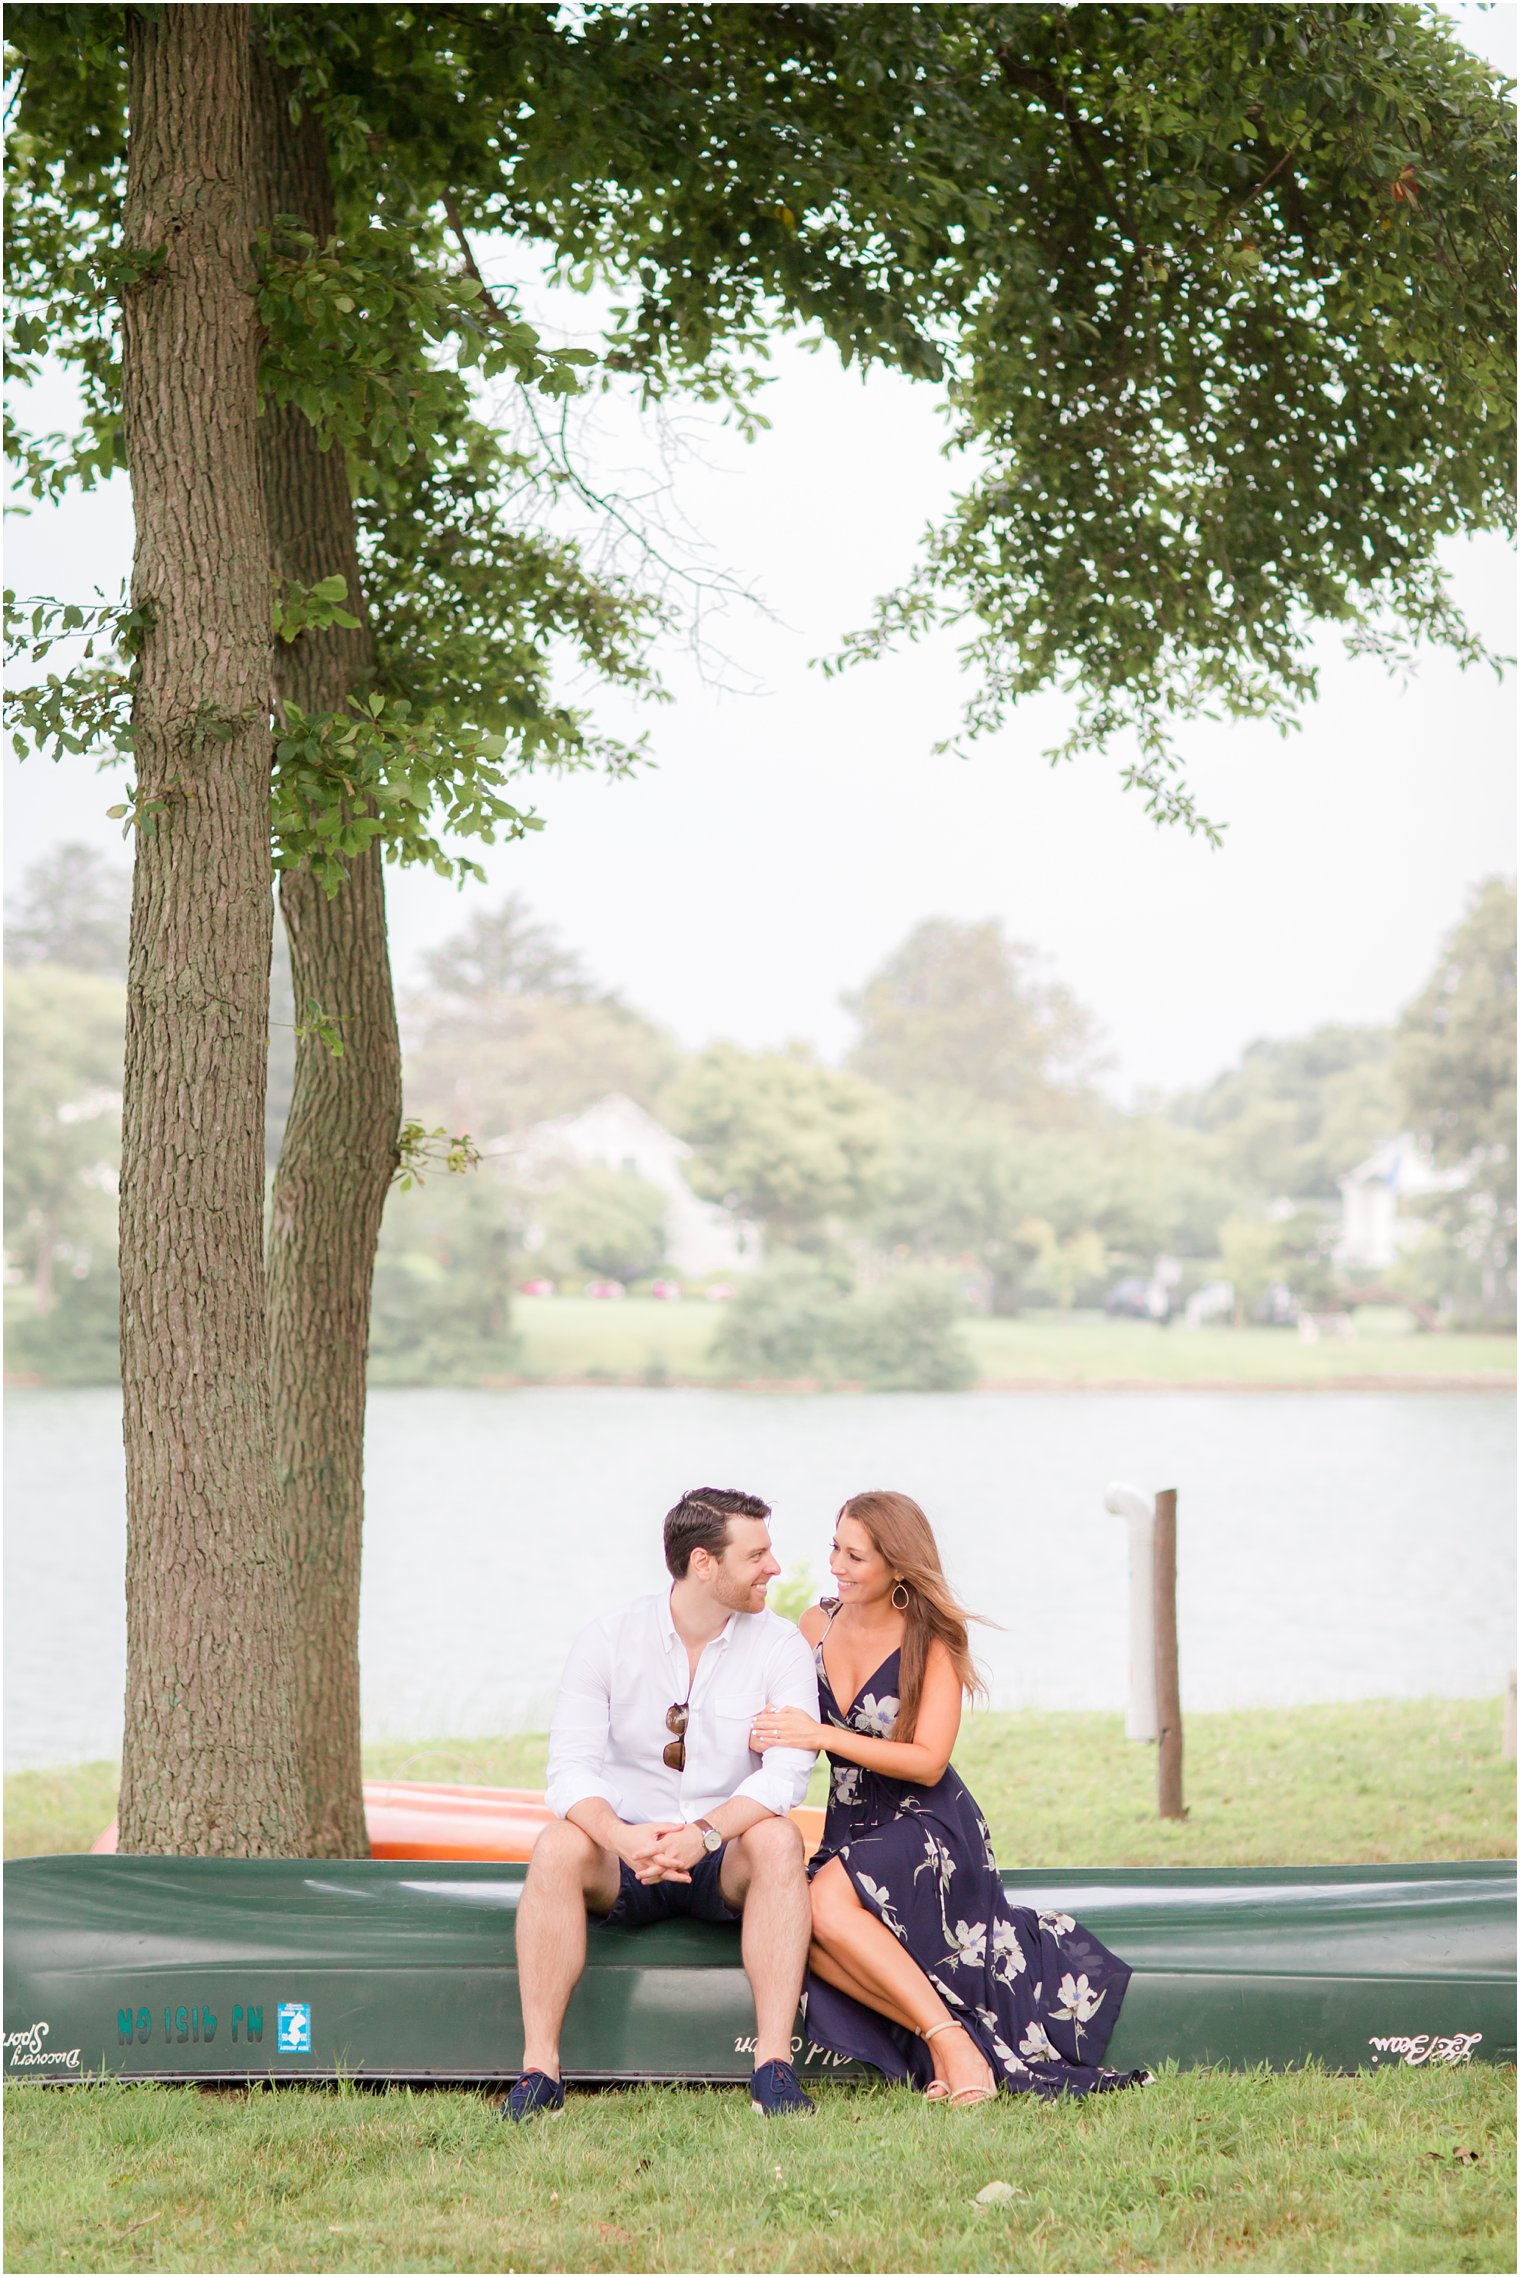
[339, 1147]
[209, 1760]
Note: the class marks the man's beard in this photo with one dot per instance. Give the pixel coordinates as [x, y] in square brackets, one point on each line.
[734, 1596]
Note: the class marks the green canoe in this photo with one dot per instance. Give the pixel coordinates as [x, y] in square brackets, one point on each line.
[202, 1968]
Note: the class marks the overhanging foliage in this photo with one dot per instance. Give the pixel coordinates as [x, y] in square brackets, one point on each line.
[1220, 299]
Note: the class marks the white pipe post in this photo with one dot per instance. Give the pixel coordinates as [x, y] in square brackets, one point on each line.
[1142, 1719]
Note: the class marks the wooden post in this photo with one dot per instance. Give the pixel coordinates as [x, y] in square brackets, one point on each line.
[1507, 1744]
[1168, 1696]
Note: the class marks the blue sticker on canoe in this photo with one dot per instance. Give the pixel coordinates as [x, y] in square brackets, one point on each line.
[293, 2027]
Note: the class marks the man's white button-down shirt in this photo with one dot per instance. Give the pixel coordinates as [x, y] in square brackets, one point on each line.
[609, 1732]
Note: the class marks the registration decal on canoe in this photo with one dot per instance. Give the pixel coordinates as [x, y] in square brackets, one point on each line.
[193, 2020]
[293, 2027]
[1429, 2047]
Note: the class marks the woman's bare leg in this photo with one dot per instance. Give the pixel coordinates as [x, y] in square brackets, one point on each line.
[833, 1971]
[886, 1976]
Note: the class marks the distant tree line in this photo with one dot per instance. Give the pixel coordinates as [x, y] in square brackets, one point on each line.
[965, 1136]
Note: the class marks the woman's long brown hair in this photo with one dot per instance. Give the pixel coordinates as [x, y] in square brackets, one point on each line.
[903, 1535]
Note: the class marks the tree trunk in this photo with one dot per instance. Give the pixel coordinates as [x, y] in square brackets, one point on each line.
[209, 1760]
[43, 1278]
[339, 1146]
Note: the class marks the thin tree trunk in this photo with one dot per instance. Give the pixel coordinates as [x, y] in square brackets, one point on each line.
[339, 1146]
[43, 1279]
[209, 1759]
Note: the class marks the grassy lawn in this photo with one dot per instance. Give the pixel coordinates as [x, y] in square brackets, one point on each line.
[1380, 1780]
[643, 1341]
[639, 1339]
[1406, 2170]
[1076, 1348]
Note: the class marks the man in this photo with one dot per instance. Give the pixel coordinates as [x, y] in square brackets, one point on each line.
[663, 1809]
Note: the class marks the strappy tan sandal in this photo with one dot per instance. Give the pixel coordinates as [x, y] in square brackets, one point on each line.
[939, 2090]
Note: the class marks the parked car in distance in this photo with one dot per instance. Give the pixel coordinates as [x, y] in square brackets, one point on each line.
[1135, 1298]
[1279, 1308]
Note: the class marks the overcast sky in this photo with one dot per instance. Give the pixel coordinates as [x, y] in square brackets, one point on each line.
[793, 829]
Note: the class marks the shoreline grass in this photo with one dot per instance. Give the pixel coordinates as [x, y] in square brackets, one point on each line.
[1373, 1782]
[643, 1342]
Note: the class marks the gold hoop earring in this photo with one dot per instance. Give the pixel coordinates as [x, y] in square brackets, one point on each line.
[906, 1600]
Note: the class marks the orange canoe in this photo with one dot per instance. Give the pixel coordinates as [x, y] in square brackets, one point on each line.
[416, 1819]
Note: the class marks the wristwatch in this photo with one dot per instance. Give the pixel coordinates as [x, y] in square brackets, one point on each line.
[712, 1840]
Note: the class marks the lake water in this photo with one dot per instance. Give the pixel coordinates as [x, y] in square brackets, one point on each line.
[1331, 1546]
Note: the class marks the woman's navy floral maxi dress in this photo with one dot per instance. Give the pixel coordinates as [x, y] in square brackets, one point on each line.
[1036, 1992]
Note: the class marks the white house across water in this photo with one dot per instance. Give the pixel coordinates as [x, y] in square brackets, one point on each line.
[1374, 1227]
[703, 1240]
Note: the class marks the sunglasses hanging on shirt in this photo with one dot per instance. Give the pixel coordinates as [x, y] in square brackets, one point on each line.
[676, 1719]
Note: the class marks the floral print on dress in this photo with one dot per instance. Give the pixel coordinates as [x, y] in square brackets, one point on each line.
[844, 1784]
[909, 1850]
[1000, 2048]
[1008, 1959]
[881, 1899]
[938, 1860]
[1078, 2000]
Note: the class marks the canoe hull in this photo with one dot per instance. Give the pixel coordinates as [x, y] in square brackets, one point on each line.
[208, 1969]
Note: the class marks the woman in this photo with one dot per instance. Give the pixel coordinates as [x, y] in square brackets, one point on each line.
[919, 1965]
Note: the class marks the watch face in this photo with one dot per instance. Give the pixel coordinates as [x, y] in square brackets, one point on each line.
[711, 1838]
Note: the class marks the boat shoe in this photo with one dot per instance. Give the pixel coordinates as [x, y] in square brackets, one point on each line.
[535, 2092]
[774, 2092]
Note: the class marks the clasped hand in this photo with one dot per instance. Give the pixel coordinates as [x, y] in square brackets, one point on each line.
[785, 1727]
[659, 1853]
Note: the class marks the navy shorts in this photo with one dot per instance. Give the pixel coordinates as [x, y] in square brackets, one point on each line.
[638, 1903]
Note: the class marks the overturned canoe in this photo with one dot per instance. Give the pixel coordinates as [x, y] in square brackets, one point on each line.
[415, 1818]
[201, 1968]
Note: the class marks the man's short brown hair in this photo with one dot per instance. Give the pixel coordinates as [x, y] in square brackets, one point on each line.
[700, 1520]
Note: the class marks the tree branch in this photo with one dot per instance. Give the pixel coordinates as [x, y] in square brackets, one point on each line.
[561, 456]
